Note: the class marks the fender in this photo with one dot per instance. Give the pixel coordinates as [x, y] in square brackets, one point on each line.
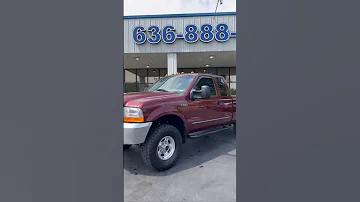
[163, 111]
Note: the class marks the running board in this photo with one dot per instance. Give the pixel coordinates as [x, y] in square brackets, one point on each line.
[206, 132]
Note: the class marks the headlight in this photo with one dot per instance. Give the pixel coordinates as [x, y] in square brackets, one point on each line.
[133, 115]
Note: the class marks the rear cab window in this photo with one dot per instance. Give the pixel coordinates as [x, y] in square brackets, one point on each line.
[222, 87]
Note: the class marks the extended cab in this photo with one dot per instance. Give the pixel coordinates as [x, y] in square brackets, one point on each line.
[175, 108]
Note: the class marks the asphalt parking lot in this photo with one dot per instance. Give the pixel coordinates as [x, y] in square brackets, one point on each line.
[206, 171]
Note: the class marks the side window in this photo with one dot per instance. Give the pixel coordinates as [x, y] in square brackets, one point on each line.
[206, 82]
[222, 86]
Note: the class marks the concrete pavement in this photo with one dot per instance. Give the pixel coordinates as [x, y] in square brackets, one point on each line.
[206, 171]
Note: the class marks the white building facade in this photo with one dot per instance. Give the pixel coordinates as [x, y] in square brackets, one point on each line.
[157, 45]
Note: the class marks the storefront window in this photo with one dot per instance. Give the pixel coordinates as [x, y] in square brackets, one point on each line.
[130, 81]
[163, 72]
[137, 80]
[142, 76]
[224, 72]
[206, 70]
[142, 86]
[153, 76]
[130, 76]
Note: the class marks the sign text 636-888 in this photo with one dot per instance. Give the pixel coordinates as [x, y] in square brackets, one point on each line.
[206, 34]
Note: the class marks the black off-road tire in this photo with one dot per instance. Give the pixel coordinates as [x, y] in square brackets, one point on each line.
[127, 146]
[149, 148]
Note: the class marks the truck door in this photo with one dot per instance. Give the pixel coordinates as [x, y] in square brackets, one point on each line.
[225, 103]
[203, 113]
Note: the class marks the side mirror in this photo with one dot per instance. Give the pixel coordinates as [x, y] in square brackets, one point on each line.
[204, 93]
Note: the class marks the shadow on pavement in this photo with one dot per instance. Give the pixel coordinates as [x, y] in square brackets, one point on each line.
[195, 153]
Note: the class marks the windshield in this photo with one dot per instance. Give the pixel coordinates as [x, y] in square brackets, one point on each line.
[173, 84]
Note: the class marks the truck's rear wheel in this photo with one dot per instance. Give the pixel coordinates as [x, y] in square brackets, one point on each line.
[127, 146]
[161, 149]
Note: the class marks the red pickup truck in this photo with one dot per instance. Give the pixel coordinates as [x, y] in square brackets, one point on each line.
[175, 108]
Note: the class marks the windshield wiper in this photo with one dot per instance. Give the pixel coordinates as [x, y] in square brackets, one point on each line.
[162, 90]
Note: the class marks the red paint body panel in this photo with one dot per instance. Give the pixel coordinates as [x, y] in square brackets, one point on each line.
[197, 115]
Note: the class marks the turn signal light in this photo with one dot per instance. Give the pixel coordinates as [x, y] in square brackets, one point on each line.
[177, 73]
[182, 72]
[133, 120]
[166, 74]
[192, 72]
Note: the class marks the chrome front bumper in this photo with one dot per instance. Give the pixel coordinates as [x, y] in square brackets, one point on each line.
[135, 133]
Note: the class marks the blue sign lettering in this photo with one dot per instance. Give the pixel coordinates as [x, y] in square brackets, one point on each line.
[155, 36]
[168, 34]
[139, 35]
[205, 33]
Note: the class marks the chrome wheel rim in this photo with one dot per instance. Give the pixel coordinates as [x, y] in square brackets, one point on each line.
[166, 148]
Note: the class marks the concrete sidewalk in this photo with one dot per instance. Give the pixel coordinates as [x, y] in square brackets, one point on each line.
[206, 171]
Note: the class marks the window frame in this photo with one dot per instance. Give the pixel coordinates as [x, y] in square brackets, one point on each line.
[206, 77]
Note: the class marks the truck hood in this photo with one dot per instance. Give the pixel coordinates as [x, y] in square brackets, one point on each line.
[146, 98]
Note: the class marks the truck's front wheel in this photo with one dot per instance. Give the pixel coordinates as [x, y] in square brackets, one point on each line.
[161, 149]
